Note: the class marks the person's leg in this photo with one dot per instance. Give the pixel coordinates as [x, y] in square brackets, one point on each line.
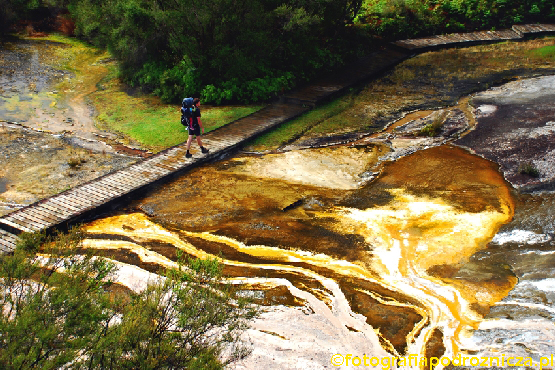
[189, 140]
[202, 148]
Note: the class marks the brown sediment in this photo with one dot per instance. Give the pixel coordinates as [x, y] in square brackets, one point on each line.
[273, 295]
[434, 345]
[394, 322]
[462, 179]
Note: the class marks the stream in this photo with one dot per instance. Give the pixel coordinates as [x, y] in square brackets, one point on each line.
[394, 245]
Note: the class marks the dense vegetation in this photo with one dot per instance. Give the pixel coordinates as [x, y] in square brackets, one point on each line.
[250, 50]
[61, 310]
[396, 19]
[241, 51]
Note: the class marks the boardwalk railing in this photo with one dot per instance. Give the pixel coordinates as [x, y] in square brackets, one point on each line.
[83, 200]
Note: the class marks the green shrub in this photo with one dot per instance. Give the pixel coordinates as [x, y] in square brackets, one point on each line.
[396, 19]
[57, 311]
[434, 129]
[529, 169]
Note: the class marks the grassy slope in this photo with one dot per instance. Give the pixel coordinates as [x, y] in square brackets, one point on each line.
[138, 118]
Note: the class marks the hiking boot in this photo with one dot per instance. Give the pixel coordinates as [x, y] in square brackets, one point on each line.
[204, 150]
[188, 155]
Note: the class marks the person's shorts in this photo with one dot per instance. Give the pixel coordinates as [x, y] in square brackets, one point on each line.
[194, 131]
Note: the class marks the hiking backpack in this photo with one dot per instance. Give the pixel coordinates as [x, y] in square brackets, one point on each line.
[187, 112]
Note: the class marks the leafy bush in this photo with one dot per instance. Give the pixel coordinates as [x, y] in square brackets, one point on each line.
[224, 50]
[59, 312]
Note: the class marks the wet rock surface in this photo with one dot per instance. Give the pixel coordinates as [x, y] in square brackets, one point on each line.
[521, 324]
[48, 143]
[388, 248]
[22, 69]
[34, 165]
[516, 129]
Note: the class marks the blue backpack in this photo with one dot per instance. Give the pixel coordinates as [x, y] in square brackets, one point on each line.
[187, 112]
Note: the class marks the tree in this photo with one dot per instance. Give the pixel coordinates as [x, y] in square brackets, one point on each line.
[58, 311]
[224, 50]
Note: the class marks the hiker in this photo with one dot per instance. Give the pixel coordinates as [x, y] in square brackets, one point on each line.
[194, 125]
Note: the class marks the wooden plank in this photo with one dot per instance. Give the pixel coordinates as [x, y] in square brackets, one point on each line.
[125, 176]
[155, 168]
[79, 198]
[31, 220]
[6, 249]
[122, 186]
[90, 196]
[146, 170]
[48, 215]
[98, 191]
[91, 192]
[40, 212]
[63, 202]
[39, 217]
[168, 167]
[16, 225]
[106, 185]
[8, 240]
[125, 181]
[26, 220]
[60, 211]
[143, 175]
[7, 243]
[82, 201]
[150, 163]
[68, 200]
[83, 195]
[104, 188]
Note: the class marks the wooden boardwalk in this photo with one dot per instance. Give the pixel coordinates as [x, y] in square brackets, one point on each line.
[82, 201]
[517, 32]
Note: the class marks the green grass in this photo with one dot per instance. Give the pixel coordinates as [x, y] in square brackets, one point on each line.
[145, 119]
[325, 115]
[529, 169]
[154, 125]
[140, 118]
[546, 52]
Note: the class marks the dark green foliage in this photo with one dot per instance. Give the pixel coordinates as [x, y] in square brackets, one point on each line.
[59, 311]
[222, 50]
[396, 19]
[12, 11]
[252, 50]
